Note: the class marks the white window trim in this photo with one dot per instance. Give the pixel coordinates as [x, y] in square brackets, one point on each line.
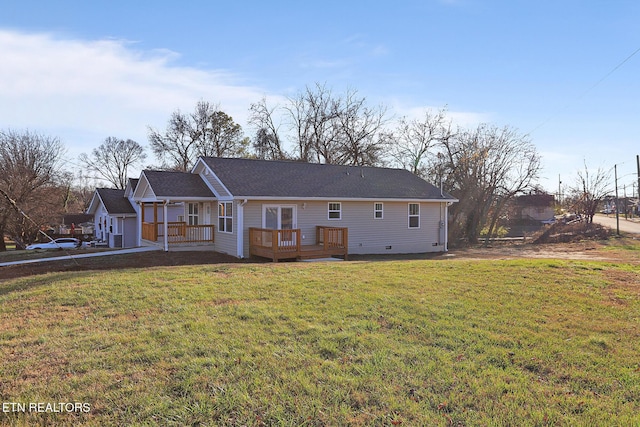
[381, 210]
[268, 206]
[193, 213]
[412, 216]
[225, 217]
[329, 211]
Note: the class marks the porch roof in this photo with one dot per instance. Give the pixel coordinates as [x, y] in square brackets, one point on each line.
[287, 179]
[178, 185]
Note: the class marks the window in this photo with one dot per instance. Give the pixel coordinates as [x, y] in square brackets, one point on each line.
[225, 217]
[377, 210]
[414, 215]
[193, 214]
[335, 210]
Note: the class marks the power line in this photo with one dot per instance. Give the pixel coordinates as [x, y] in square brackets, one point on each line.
[28, 218]
[596, 84]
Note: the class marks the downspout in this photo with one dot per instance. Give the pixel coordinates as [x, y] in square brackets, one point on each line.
[166, 225]
[446, 226]
[240, 229]
[139, 224]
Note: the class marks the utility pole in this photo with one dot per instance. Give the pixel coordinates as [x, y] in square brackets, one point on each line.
[615, 170]
[638, 204]
[559, 191]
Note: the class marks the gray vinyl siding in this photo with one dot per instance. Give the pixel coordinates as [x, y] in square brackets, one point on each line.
[215, 184]
[130, 232]
[226, 242]
[148, 193]
[366, 234]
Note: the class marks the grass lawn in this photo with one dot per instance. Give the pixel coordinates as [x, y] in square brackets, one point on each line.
[412, 343]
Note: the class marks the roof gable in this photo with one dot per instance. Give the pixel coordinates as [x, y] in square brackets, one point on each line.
[166, 184]
[255, 178]
[114, 201]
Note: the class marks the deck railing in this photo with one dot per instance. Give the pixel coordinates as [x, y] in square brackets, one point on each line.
[332, 237]
[178, 232]
[282, 244]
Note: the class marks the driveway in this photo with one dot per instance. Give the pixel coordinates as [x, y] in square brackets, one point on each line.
[85, 255]
[626, 225]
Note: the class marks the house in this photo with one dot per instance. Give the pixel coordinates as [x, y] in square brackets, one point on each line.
[284, 209]
[80, 223]
[535, 207]
[115, 217]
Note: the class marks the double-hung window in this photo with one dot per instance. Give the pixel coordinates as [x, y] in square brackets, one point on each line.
[378, 212]
[335, 210]
[225, 217]
[192, 214]
[414, 215]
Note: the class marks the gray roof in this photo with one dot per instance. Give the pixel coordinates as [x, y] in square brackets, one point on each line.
[250, 177]
[177, 184]
[114, 201]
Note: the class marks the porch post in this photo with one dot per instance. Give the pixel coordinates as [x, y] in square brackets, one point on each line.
[240, 228]
[155, 212]
[166, 225]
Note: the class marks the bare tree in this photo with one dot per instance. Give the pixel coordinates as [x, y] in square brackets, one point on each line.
[206, 132]
[415, 138]
[215, 133]
[359, 131]
[322, 127]
[30, 184]
[176, 147]
[484, 168]
[112, 160]
[590, 189]
[310, 116]
[267, 142]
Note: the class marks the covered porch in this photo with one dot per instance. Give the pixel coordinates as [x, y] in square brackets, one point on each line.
[286, 243]
[172, 232]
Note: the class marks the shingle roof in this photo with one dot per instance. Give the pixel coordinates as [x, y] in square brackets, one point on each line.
[177, 184]
[115, 202]
[250, 177]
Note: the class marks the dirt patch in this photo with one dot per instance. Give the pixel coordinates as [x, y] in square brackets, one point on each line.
[112, 262]
[585, 250]
[568, 233]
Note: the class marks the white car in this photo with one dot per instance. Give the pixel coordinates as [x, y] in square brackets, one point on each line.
[61, 243]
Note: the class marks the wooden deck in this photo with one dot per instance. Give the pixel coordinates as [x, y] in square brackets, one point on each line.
[286, 244]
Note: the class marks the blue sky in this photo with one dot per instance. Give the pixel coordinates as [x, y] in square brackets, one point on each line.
[83, 71]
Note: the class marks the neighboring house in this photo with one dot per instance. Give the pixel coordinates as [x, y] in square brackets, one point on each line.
[81, 223]
[535, 207]
[283, 209]
[114, 217]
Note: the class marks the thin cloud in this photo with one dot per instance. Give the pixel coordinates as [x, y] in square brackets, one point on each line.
[465, 119]
[104, 87]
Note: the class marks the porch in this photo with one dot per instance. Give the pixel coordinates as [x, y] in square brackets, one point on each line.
[173, 232]
[286, 244]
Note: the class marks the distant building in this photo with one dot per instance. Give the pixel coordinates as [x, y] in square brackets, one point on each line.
[534, 207]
